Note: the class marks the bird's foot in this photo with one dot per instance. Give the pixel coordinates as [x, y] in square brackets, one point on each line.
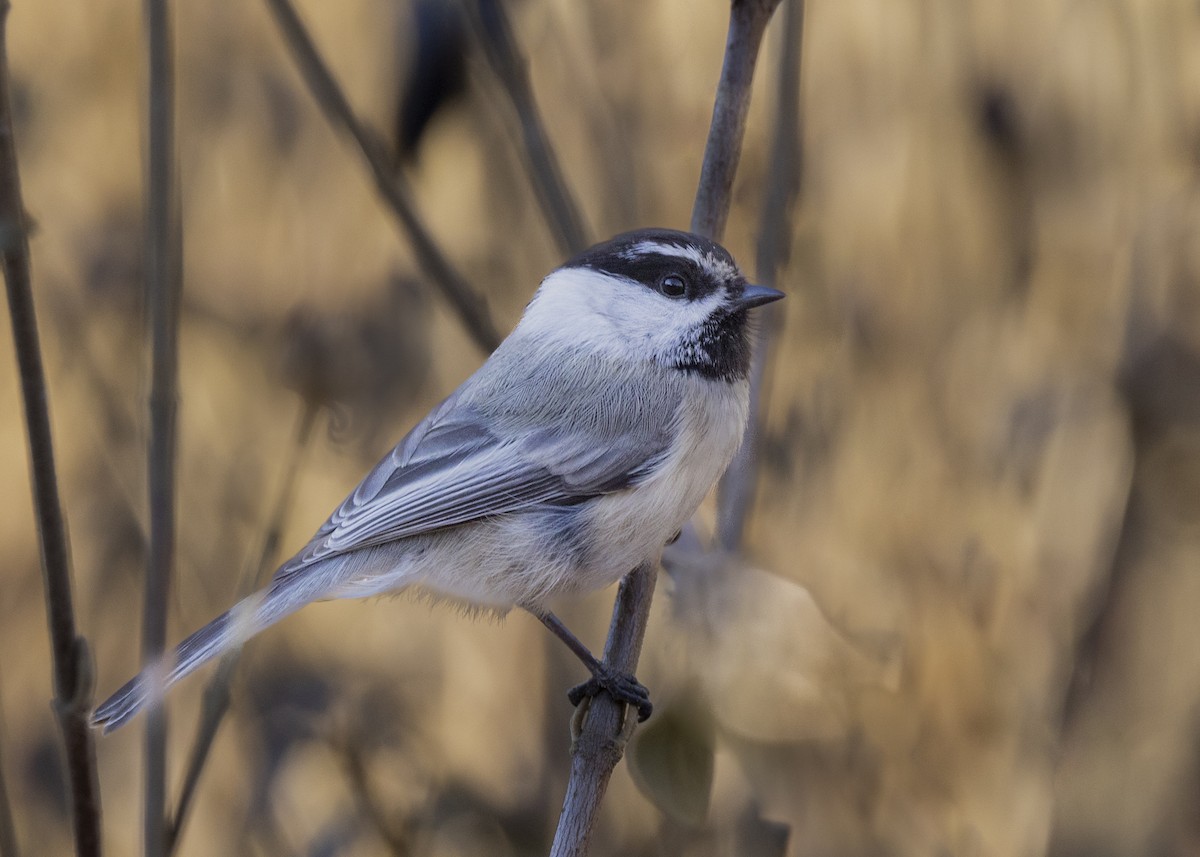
[622, 687]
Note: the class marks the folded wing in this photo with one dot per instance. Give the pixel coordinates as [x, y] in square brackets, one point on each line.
[454, 468]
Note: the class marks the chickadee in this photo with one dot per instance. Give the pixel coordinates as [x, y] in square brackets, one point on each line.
[569, 458]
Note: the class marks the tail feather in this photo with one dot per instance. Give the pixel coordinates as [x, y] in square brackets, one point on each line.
[226, 632]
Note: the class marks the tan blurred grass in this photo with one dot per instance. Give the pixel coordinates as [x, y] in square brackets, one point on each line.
[982, 428]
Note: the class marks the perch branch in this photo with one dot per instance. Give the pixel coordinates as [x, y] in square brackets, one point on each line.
[735, 493]
[490, 22]
[71, 661]
[601, 742]
[602, 739]
[471, 308]
[163, 282]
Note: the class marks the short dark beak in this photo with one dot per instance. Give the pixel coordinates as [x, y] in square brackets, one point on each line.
[756, 296]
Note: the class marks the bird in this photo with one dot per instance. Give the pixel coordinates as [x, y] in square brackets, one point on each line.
[576, 451]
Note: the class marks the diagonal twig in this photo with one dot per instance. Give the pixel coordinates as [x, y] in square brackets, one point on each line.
[471, 308]
[489, 20]
[72, 664]
[735, 493]
[163, 282]
[467, 303]
[602, 739]
[216, 693]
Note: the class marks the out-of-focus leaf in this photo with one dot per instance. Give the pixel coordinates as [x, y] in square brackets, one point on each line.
[671, 759]
[762, 653]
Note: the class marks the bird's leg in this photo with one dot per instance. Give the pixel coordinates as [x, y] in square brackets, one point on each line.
[622, 687]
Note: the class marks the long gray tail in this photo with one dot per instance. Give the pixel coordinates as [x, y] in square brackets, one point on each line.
[227, 631]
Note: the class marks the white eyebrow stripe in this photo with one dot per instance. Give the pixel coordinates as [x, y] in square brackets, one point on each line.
[648, 248]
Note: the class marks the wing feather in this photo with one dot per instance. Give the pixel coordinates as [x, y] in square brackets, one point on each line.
[454, 467]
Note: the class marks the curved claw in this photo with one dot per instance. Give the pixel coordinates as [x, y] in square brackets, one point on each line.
[622, 687]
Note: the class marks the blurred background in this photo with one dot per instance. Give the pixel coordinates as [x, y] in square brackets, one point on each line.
[965, 619]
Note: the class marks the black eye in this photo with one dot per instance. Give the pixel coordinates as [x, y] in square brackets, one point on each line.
[673, 286]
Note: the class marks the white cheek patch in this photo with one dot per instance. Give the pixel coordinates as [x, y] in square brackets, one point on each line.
[691, 314]
[617, 317]
[579, 306]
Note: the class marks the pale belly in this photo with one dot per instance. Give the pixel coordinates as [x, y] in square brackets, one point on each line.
[634, 525]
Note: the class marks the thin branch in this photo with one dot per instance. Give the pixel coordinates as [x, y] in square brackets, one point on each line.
[8, 828]
[602, 739]
[397, 841]
[72, 663]
[216, 694]
[601, 742]
[494, 33]
[470, 306]
[735, 493]
[163, 282]
[747, 23]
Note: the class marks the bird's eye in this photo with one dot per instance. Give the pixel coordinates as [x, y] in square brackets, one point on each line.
[673, 286]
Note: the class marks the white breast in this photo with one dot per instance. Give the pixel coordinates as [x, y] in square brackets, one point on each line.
[630, 527]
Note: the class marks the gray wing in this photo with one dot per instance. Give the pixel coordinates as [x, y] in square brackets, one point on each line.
[454, 468]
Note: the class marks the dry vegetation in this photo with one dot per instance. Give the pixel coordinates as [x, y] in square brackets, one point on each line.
[976, 631]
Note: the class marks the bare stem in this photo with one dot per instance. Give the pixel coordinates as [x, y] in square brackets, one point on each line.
[602, 739]
[747, 23]
[735, 494]
[72, 664]
[397, 841]
[163, 282]
[467, 303]
[601, 742]
[216, 694]
[8, 829]
[491, 24]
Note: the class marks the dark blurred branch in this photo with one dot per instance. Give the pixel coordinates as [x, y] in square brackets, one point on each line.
[115, 429]
[747, 23]
[602, 739]
[471, 308]
[216, 694]
[735, 494]
[163, 282]
[72, 664]
[489, 20]
[216, 703]
[356, 772]
[8, 829]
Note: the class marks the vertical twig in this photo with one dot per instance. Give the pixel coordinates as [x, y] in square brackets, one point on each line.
[735, 493]
[602, 740]
[216, 693]
[489, 19]
[470, 306]
[747, 23]
[8, 828]
[72, 664]
[162, 297]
